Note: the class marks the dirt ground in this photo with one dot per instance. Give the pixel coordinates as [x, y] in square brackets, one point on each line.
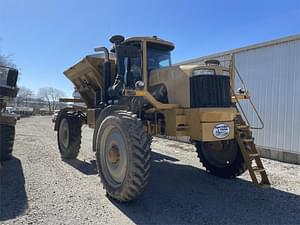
[37, 187]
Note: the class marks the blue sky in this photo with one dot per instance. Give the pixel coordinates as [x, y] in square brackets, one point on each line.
[46, 37]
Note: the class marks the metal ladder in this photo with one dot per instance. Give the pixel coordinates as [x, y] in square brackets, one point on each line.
[251, 156]
[245, 140]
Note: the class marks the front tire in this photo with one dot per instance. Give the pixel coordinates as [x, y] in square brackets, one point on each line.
[123, 155]
[7, 137]
[221, 158]
[69, 136]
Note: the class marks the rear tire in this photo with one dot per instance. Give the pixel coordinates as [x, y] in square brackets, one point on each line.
[123, 155]
[69, 136]
[7, 137]
[221, 158]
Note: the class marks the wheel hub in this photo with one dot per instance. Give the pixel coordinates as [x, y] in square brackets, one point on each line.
[114, 155]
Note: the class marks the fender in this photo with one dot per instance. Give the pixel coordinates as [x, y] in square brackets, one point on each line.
[103, 114]
[63, 112]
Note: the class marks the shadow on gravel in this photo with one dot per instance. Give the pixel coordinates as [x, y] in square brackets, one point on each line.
[160, 157]
[182, 194]
[90, 168]
[13, 198]
[87, 168]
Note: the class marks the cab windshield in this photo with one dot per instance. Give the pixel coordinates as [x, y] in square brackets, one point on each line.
[158, 56]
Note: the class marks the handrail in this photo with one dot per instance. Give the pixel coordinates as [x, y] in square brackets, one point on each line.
[241, 79]
[258, 116]
[251, 102]
[150, 98]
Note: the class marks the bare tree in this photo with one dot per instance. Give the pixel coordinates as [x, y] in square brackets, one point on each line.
[6, 61]
[51, 96]
[23, 95]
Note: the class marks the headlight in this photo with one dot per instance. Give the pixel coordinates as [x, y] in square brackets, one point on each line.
[203, 72]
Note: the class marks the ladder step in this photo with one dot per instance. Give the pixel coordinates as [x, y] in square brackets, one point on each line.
[254, 155]
[181, 119]
[264, 185]
[247, 140]
[256, 169]
[242, 127]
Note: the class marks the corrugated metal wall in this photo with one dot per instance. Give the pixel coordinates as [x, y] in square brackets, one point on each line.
[272, 75]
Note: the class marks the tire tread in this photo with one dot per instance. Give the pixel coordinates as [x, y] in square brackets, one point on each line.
[236, 169]
[7, 137]
[75, 137]
[140, 142]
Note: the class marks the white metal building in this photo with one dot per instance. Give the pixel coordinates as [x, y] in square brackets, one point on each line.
[271, 71]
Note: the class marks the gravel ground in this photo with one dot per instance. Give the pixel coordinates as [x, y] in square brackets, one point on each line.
[37, 187]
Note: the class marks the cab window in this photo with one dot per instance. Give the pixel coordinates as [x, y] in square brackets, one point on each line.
[157, 56]
[133, 71]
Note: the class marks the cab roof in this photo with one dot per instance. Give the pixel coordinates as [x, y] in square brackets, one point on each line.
[153, 39]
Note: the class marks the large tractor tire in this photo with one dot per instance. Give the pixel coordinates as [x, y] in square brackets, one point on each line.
[7, 137]
[69, 136]
[221, 158]
[123, 155]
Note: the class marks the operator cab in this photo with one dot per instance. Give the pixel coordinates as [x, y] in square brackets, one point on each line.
[135, 58]
[131, 56]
